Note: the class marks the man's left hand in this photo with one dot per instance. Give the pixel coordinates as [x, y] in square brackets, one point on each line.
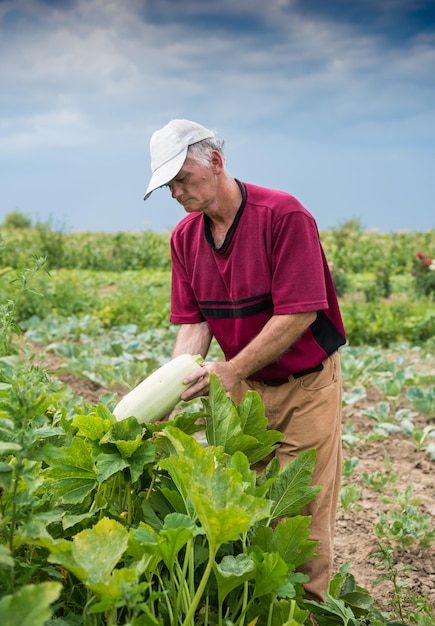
[199, 379]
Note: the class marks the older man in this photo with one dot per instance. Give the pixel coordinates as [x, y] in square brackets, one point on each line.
[248, 269]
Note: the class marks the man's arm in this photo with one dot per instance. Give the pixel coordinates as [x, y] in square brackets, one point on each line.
[192, 339]
[280, 332]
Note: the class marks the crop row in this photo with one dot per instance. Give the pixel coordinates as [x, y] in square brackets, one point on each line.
[349, 248]
[116, 299]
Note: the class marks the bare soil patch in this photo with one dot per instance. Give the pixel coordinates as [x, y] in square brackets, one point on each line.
[355, 537]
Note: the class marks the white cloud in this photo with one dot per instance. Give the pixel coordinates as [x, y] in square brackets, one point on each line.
[51, 129]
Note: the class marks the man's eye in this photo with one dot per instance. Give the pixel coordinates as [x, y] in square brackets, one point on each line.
[183, 180]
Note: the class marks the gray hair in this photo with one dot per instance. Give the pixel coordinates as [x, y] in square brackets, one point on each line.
[201, 150]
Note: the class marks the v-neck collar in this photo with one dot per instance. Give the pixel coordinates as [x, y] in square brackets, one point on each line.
[232, 229]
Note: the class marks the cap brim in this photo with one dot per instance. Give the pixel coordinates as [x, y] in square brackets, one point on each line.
[165, 173]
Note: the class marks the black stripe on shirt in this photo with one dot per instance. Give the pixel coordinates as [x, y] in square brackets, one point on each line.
[234, 303]
[238, 312]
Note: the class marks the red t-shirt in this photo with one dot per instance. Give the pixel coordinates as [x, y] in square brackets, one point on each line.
[271, 263]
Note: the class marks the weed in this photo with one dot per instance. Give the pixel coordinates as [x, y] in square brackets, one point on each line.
[379, 480]
[407, 527]
[384, 560]
[349, 437]
[422, 400]
[349, 496]
[419, 436]
[349, 466]
[410, 608]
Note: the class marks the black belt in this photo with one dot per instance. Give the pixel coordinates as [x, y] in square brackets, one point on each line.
[277, 382]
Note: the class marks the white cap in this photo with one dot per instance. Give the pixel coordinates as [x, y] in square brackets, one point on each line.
[168, 148]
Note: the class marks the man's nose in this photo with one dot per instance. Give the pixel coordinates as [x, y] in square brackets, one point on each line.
[176, 190]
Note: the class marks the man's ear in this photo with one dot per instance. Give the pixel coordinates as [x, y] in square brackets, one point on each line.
[217, 162]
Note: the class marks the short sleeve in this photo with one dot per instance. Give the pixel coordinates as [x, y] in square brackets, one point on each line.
[184, 307]
[298, 276]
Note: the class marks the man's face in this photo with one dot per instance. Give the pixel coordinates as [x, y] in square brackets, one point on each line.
[194, 187]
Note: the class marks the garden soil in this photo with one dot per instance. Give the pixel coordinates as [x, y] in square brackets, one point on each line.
[355, 538]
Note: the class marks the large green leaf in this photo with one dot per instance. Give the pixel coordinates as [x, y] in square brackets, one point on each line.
[90, 426]
[113, 588]
[242, 428]
[107, 465]
[217, 494]
[71, 478]
[223, 425]
[232, 572]
[288, 613]
[128, 430]
[146, 555]
[270, 573]
[343, 587]
[332, 611]
[30, 605]
[290, 539]
[93, 553]
[144, 455]
[37, 525]
[239, 462]
[293, 490]
[254, 422]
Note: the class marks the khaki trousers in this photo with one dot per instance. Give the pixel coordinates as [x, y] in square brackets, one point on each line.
[307, 411]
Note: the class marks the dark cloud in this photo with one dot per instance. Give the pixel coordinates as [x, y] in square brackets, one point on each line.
[305, 93]
[212, 17]
[395, 20]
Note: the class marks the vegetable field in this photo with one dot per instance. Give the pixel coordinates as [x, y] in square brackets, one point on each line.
[126, 523]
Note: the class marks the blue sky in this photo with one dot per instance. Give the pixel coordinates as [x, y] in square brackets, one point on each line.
[332, 101]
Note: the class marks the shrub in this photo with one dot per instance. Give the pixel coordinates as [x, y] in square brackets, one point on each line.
[17, 219]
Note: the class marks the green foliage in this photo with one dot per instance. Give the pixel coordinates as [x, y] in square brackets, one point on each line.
[16, 219]
[422, 400]
[51, 244]
[357, 250]
[409, 608]
[349, 496]
[9, 305]
[384, 323]
[405, 525]
[30, 605]
[350, 249]
[103, 274]
[111, 252]
[131, 514]
[346, 603]
[140, 297]
[340, 280]
[380, 480]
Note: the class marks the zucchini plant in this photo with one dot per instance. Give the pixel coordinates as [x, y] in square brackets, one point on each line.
[118, 522]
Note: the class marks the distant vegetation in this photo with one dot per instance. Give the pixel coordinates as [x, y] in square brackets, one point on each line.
[386, 281]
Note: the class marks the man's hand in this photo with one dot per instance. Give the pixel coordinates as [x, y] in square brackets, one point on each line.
[280, 332]
[200, 378]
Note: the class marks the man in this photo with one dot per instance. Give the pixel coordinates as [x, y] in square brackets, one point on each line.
[248, 269]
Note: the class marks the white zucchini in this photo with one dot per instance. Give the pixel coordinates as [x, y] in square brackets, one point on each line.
[159, 393]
